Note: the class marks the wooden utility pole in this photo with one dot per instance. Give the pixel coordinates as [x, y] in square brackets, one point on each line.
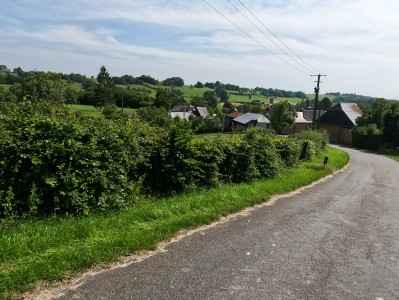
[316, 100]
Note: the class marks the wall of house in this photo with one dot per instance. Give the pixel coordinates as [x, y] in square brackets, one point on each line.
[298, 127]
[333, 131]
[345, 136]
[338, 134]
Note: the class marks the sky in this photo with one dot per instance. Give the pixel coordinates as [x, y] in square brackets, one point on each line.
[251, 43]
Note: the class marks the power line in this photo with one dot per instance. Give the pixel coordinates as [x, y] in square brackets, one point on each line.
[276, 36]
[262, 32]
[252, 38]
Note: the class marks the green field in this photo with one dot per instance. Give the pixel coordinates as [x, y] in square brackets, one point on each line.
[90, 110]
[87, 110]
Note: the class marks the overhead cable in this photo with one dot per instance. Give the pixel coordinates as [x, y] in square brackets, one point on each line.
[278, 46]
[255, 40]
[271, 32]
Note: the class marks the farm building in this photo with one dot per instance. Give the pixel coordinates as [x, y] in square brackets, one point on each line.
[301, 123]
[339, 122]
[184, 111]
[228, 120]
[249, 120]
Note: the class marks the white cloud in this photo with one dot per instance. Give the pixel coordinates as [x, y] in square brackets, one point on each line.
[353, 42]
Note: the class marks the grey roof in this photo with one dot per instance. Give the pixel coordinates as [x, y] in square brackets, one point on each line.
[203, 112]
[248, 117]
[308, 114]
[182, 108]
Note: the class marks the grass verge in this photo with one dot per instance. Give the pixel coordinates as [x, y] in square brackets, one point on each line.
[31, 251]
[391, 153]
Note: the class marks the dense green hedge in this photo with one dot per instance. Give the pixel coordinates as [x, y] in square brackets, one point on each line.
[311, 142]
[367, 137]
[53, 162]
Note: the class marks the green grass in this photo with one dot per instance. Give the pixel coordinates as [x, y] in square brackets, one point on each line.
[90, 110]
[391, 153]
[76, 86]
[32, 251]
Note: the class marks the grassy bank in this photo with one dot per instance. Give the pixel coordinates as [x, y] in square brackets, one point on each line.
[391, 153]
[31, 251]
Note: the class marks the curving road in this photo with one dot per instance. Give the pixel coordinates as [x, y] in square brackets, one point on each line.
[336, 240]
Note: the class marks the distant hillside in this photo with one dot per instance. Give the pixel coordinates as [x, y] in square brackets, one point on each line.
[147, 87]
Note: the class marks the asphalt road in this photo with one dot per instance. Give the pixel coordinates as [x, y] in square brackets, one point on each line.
[336, 240]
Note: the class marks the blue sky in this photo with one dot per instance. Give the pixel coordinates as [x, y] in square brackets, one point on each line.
[355, 43]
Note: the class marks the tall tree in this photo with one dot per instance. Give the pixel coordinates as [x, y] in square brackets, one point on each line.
[281, 117]
[105, 88]
[210, 97]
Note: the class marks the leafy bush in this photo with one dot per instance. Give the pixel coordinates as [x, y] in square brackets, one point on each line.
[209, 156]
[289, 150]
[238, 163]
[53, 163]
[308, 150]
[367, 137]
[267, 160]
[319, 138]
[172, 164]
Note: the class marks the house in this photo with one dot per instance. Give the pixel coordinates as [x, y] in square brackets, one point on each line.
[301, 123]
[228, 120]
[185, 111]
[339, 122]
[249, 119]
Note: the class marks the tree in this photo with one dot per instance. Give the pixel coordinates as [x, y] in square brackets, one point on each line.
[326, 103]
[221, 92]
[105, 88]
[198, 101]
[155, 116]
[210, 97]
[173, 81]
[199, 85]
[374, 113]
[42, 86]
[168, 98]
[281, 117]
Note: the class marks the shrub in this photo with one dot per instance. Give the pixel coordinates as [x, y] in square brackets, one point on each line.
[308, 150]
[267, 160]
[289, 150]
[209, 156]
[172, 163]
[238, 163]
[54, 163]
[367, 137]
[319, 138]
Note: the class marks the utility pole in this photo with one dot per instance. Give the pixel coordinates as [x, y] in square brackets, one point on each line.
[316, 100]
